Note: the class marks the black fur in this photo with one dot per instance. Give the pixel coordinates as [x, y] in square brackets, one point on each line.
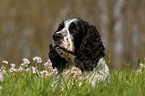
[56, 60]
[88, 48]
[91, 48]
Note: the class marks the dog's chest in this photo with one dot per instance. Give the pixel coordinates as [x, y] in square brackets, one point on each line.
[72, 72]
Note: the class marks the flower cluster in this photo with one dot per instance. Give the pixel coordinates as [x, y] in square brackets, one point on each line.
[141, 67]
[38, 59]
[25, 68]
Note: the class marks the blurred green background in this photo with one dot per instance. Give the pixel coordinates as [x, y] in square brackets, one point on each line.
[26, 27]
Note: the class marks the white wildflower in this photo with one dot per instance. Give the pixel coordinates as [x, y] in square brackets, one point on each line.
[6, 62]
[54, 70]
[49, 62]
[33, 68]
[50, 67]
[20, 69]
[38, 59]
[139, 71]
[47, 74]
[34, 71]
[2, 68]
[42, 72]
[4, 71]
[27, 70]
[23, 64]
[12, 65]
[0, 87]
[26, 61]
[141, 65]
[12, 69]
[46, 64]
[140, 68]
[26, 65]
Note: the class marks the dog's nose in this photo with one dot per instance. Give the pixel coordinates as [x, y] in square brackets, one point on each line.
[57, 36]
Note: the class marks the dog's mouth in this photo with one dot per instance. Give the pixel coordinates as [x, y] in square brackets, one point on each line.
[57, 47]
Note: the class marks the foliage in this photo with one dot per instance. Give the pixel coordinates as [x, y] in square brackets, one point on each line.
[26, 80]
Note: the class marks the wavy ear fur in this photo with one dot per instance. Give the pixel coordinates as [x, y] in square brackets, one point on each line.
[91, 48]
[56, 60]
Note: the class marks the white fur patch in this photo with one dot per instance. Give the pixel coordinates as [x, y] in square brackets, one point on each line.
[67, 42]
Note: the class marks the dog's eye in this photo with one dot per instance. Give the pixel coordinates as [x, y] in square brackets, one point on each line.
[73, 28]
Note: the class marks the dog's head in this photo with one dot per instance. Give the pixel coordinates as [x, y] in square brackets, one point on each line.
[75, 37]
[67, 38]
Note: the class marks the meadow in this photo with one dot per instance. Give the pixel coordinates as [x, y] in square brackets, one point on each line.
[28, 79]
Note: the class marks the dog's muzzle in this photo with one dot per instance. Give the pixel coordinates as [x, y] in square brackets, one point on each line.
[57, 37]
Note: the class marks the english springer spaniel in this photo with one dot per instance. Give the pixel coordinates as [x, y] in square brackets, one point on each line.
[77, 49]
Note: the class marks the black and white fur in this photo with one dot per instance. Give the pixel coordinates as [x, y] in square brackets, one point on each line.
[77, 45]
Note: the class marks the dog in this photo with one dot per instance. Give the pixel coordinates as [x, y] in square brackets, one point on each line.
[77, 49]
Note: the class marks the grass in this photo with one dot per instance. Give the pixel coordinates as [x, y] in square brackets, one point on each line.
[42, 83]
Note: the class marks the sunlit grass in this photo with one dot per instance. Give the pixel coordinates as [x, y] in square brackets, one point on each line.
[26, 80]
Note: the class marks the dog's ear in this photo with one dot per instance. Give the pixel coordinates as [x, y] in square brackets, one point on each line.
[91, 48]
[56, 60]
